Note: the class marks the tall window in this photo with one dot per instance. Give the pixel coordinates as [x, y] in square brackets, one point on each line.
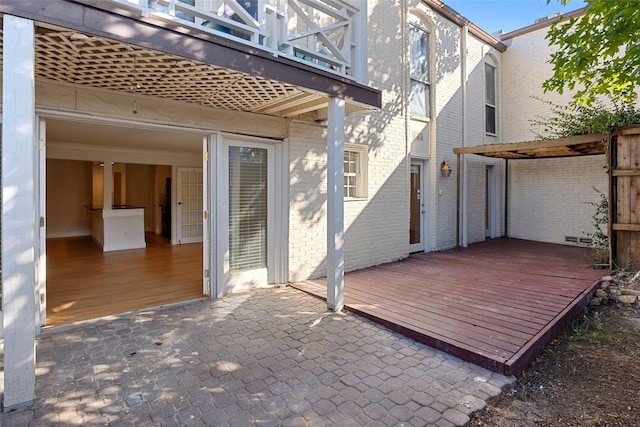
[420, 96]
[355, 171]
[490, 98]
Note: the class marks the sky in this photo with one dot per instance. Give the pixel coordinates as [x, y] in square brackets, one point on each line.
[508, 15]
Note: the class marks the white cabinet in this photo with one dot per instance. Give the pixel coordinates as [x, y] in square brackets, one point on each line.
[118, 229]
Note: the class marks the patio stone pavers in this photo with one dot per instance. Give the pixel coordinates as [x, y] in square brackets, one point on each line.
[270, 357]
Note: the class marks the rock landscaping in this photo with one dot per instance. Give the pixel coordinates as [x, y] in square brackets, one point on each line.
[619, 289]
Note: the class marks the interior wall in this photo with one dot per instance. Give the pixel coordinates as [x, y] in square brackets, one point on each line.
[139, 190]
[67, 212]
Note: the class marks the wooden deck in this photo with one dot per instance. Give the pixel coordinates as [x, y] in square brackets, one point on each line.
[496, 304]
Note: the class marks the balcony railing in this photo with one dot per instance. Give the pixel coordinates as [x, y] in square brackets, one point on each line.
[327, 34]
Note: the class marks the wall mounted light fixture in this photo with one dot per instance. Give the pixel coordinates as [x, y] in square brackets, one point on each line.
[445, 169]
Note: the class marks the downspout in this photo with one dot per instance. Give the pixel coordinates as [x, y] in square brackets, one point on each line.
[458, 202]
[506, 198]
[465, 136]
[404, 26]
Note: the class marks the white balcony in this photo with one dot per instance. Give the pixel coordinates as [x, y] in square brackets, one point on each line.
[330, 35]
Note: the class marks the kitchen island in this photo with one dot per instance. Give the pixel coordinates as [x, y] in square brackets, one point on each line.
[118, 228]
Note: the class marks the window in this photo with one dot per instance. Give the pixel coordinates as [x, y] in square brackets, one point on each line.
[420, 90]
[355, 171]
[490, 98]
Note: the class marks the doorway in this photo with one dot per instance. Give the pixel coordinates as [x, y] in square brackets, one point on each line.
[417, 207]
[83, 281]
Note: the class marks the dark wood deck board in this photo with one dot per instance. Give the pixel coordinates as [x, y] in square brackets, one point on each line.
[497, 303]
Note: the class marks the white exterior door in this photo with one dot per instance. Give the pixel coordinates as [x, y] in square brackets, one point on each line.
[246, 213]
[189, 222]
[417, 208]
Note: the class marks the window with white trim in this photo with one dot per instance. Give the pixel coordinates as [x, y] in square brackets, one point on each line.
[490, 99]
[355, 171]
[419, 65]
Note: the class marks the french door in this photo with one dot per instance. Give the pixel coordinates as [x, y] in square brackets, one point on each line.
[189, 223]
[247, 208]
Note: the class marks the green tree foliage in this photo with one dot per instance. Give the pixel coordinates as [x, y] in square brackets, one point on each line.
[579, 119]
[598, 53]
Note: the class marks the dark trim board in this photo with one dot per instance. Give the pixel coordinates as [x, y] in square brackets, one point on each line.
[497, 304]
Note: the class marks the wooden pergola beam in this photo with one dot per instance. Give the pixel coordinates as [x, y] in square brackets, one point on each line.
[580, 145]
[573, 146]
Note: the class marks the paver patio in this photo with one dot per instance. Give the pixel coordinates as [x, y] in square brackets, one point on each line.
[272, 357]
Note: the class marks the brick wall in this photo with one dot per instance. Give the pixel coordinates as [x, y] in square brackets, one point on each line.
[547, 198]
[525, 67]
[376, 228]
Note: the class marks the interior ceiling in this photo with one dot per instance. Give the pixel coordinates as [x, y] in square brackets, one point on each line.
[114, 136]
[77, 58]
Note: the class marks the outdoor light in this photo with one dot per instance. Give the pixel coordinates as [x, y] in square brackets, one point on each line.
[445, 169]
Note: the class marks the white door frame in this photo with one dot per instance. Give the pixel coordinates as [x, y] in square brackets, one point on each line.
[19, 210]
[422, 246]
[277, 202]
[206, 210]
[41, 226]
[44, 114]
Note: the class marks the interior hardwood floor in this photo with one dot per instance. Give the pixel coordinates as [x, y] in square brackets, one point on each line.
[84, 283]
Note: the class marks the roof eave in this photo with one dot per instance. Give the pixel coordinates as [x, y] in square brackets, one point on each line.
[449, 13]
[543, 24]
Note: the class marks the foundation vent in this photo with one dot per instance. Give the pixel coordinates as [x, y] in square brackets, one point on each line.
[578, 240]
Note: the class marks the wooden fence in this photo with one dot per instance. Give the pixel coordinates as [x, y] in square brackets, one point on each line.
[624, 198]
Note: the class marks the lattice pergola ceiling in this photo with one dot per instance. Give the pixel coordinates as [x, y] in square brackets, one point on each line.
[77, 58]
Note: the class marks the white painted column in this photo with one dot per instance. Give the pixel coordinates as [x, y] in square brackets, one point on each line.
[335, 205]
[18, 212]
